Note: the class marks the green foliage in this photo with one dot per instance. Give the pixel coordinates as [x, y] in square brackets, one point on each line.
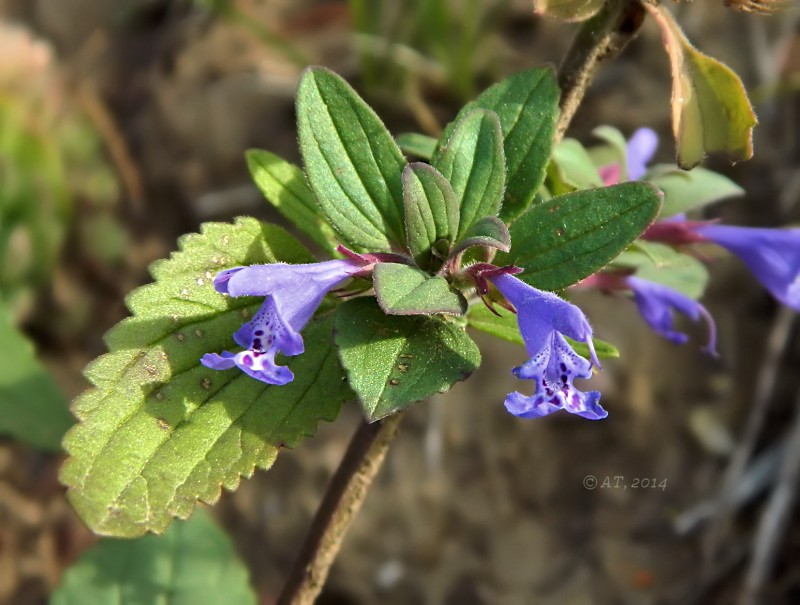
[159, 431]
[404, 290]
[32, 408]
[562, 240]
[284, 186]
[193, 562]
[710, 109]
[353, 165]
[392, 361]
[526, 104]
[684, 191]
[572, 168]
[419, 145]
[488, 231]
[431, 212]
[665, 265]
[472, 160]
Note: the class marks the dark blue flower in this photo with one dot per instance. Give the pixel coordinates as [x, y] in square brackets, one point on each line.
[543, 320]
[293, 293]
[656, 303]
[773, 255]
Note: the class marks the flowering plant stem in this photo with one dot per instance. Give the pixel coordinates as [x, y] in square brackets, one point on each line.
[343, 498]
[600, 38]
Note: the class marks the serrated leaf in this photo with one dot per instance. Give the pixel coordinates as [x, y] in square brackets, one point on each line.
[431, 211]
[710, 109]
[392, 361]
[159, 431]
[567, 10]
[404, 290]
[472, 161]
[284, 186]
[32, 407]
[663, 264]
[527, 107]
[193, 562]
[419, 145]
[353, 165]
[505, 327]
[490, 231]
[562, 240]
[684, 191]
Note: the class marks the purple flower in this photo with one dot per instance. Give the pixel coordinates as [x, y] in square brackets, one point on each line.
[773, 255]
[638, 152]
[293, 293]
[656, 303]
[543, 320]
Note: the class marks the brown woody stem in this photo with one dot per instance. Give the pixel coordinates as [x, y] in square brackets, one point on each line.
[600, 38]
[343, 498]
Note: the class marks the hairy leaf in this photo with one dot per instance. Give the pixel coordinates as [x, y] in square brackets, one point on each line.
[527, 106]
[684, 191]
[710, 109]
[284, 186]
[562, 240]
[32, 408]
[392, 361]
[431, 211]
[193, 562]
[404, 290]
[159, 431]
[419, 145]
[472, 161]
[353, 165]
[490, 231]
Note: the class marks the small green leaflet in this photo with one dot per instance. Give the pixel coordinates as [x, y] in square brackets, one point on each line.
[566, 238]
[419, 145]
[193, 562]
[684, 191]
[573, 166]
[710, 109]
[431, 212]
[284, 186]
[663, 264]
[489, 231]
[404, 290]
[159, 431]
[353, 165]
[472, 161]
[527, 106]
[505, 327]
[393, 361]
[32, 408]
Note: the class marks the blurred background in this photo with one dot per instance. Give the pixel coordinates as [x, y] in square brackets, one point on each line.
[123, 125]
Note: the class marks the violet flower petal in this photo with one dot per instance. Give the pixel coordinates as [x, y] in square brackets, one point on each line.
[640, 150]
[543, 319]
[656, 303]
[773, 255]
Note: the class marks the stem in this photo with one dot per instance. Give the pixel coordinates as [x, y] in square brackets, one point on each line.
[343, 498]
[600, 38]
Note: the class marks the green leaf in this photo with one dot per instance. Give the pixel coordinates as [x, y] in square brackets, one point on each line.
[663, 264]
[193, 562]
[710, 109]
[431, 211]
[419, 145]
[505, 327]
[472, 161]
[562, 240]
[32, 408]
[284, 186]
[574, 166]
[489, 231]
[353, 165]
[527, 106]
[614, 151]
[684, 191]
[404, 290]
[567, 10]
[159, 431]
[392, 361]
